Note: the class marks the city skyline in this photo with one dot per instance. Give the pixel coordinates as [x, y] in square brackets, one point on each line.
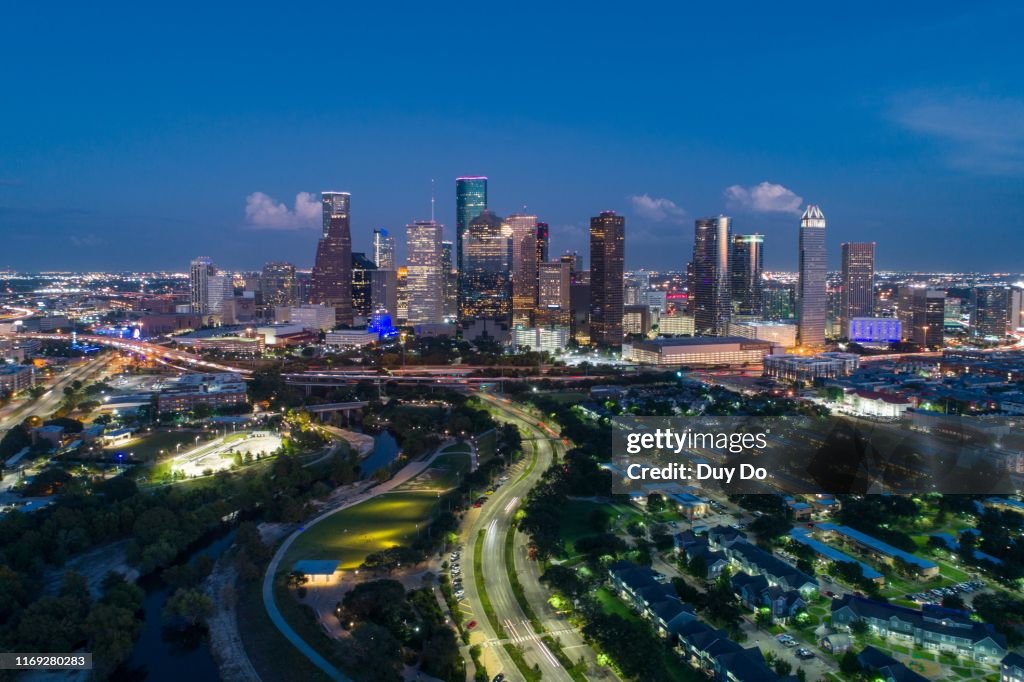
[192, 161]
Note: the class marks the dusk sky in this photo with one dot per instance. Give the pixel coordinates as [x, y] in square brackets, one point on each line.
[140, 137]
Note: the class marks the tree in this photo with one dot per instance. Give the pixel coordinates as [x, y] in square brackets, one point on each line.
[111, 631]
[859, 626]
[782, 667]
[191, 605]
[655, 502]
[849, 664]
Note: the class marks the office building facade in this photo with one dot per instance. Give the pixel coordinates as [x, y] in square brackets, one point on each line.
[607, 272]
[488, 268]
[990, 312]
[277, 284]
[747, 265]
[811, 298]
[711, 292]
[332, 271]
[383, 250]
[426, 276]
[524, 268]
[857, 297]
[470, 202]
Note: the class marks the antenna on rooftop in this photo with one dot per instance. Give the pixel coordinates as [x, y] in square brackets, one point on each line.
[432, 200]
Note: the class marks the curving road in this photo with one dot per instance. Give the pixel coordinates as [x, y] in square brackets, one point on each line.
[495, 519]
[549, 446]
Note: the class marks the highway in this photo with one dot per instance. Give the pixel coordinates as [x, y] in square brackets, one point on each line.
[48, 403]
[494, 519]
[527, 570]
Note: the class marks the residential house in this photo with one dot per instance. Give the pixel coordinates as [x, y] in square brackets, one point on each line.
[932, 628]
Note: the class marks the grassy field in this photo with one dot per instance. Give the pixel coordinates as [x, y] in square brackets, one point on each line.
[443, 474]
[148, 447]
[612, 605]
[271, 654]
[351, 534]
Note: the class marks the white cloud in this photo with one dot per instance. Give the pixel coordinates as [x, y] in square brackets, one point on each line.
[262, 211]
[975, 133]
[766, 197]
[85, 240]
[657, 209]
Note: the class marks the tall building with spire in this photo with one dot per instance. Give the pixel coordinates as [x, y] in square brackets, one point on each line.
[857, 297]
[607, 261]
[470, 202]
[425, 280]
[811, 297]
[332, 270]
[711, 292]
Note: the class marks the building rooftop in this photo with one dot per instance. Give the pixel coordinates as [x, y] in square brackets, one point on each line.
[878, 545]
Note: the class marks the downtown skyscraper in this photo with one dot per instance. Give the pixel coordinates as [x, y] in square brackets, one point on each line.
[607, 262]
[332, 270]
[383, 250]
[711, 292]
[857, 298]
[488, 269]
[470, 202]
[524, 268]
[811, 298]
[425, 279]
[747, 268]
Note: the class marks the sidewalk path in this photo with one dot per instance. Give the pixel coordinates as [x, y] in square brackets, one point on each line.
[408, 471]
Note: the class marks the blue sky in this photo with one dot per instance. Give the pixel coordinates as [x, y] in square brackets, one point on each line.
[135, 137]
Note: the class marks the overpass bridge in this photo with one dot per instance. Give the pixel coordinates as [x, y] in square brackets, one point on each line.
[151, 351]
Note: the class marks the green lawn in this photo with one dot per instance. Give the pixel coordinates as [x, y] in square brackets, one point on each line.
[148, 447]
[351, 534]
[443, 474]
[613, 605]
[575, 521]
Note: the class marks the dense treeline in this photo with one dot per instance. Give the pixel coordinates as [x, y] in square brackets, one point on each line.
[157, 527]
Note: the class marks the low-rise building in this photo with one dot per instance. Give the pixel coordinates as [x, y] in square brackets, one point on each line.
[778, 333]
[831, 554]
[880, 551]
[753, 560]
[191, 390]
[809, 368]
[700, 351]
[351, 338]
[14, 378]
[932, 628]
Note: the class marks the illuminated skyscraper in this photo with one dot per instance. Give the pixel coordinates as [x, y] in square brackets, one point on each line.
[199, 284]
[451, 281]
[277, 285]
[553, 295]
[712, 304]
[543, 240]
[524, 268]
[811, 298]
[334, 204]
[747, 267]
[470, 201]
[332, 270]
[857, 298]
[383, 250]
[607, 256]
[990, 311]
[922, 315]
[425, 279]
[363, 270]
[488, 268]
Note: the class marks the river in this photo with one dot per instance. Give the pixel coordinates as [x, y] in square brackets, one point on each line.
[169, 656]
[385, 450]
